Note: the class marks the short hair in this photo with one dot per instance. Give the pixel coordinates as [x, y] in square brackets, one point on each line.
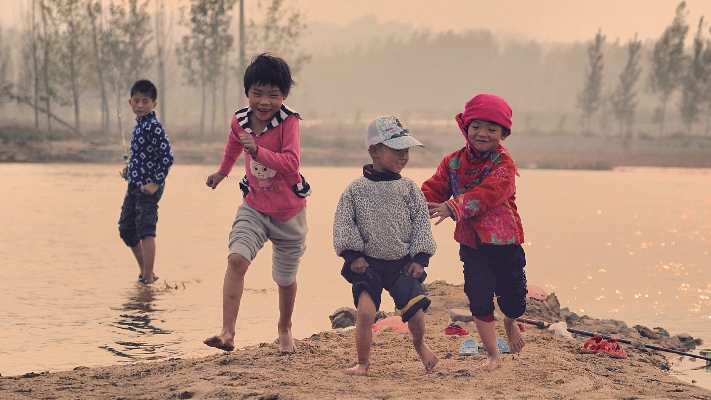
[268, 69]
[146, 87]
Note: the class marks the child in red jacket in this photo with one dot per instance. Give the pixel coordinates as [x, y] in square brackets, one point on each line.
[476, 186]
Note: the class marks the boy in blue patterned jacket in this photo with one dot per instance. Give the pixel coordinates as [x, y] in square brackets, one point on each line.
[151, 159]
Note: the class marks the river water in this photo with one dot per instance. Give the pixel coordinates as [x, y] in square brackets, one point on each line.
[630, 244]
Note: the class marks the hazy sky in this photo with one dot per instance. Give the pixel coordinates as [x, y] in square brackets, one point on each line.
[541, 20]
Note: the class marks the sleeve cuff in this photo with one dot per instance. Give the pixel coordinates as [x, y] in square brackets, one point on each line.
[452, 210]
[350, 255]
[422, 259]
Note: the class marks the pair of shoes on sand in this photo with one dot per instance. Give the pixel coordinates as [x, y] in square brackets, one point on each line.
[144, 281]
[598, 344]
[470, 347]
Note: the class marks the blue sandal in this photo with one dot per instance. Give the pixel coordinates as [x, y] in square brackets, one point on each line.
[144, 281]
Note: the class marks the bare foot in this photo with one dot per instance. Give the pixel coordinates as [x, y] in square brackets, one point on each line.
[428, 358]
[513, 334]
[358, 370]
[286, 342]
[222, 342]
[491, 363]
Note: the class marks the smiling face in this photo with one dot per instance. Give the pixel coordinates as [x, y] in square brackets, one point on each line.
[142, 104]
[387, 159]
[484, 135]
[265, 101]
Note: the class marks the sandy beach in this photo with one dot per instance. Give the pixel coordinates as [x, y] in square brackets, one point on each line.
[549, 367]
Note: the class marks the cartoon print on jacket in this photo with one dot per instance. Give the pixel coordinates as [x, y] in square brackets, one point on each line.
[263, 174]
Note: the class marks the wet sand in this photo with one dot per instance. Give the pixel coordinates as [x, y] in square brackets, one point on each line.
[549, 366]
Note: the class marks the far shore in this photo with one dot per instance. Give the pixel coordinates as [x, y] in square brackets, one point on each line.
[529, 151]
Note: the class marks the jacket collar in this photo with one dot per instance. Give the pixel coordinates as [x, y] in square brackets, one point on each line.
[377, 176]
[146, 117]
[244, 114]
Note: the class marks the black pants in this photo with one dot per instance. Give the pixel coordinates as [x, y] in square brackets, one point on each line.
[391, 276]
[495, 270]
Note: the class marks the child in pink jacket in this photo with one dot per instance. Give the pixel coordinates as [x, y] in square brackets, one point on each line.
[274, 206]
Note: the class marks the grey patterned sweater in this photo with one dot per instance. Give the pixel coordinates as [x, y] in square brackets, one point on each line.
[383, 219]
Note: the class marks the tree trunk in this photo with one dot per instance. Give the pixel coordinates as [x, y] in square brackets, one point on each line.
[161, 56]
[203, 85]
[99, 72]
[226, 120]
[45, 70]
[662, 114]
[35, 64]
[73, 74]
[214, 107]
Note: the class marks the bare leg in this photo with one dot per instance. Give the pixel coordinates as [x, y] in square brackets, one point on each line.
[287, 298]
[487, 332]
[364, 334]
[232, 290]
[138, 254]
[417, 328]
[513, 335]
[148, 244]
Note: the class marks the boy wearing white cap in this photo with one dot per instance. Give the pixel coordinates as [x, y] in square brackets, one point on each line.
[382, 231]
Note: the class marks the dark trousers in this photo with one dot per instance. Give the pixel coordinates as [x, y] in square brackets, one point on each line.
[495, 270]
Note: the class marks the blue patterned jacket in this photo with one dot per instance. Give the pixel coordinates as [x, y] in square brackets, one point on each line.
[151, 155]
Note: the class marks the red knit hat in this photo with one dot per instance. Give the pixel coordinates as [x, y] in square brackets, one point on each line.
[487, 107]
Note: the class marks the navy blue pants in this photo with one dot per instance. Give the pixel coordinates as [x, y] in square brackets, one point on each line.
[495, 270]
[391, 276]
[139, 215]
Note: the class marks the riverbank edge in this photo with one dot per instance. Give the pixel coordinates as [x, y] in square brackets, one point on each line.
[210, 153]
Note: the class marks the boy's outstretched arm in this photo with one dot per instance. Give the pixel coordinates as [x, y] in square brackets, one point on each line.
[214, 179]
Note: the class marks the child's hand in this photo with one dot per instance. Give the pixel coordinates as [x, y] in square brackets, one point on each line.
[214, 180]
[439, 210]
[249, 145]
[359, 265]
[124, 172]
[150, 188]
[416, 269]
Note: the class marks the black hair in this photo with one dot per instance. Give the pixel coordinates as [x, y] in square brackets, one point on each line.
[146, 87]
[268, 69]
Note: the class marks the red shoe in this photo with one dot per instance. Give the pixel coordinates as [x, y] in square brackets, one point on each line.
[593, 345]
[612, 348]
[455, 330]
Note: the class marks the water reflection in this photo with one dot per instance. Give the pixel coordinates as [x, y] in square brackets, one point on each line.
[137, 330]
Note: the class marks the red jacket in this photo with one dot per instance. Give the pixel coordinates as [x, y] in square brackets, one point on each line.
[481, 192]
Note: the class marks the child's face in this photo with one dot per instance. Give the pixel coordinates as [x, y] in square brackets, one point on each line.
[484, 135]
[265, 101]
[142, 104]
[387, 159]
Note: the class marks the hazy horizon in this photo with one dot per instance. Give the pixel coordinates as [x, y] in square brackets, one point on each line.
[539, 20]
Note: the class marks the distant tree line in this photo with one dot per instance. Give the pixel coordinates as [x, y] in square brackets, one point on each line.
[76, 52]
[671, 69]
[91, 51]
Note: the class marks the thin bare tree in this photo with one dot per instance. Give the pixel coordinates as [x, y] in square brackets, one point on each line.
[590, 99]
[667, 66]
[624, 99]
[163, 33]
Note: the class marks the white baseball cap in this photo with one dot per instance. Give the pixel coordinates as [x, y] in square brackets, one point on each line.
[390, 132]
